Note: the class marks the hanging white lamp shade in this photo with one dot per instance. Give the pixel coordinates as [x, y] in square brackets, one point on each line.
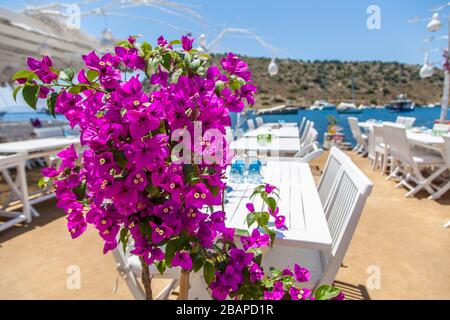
[435, 24]
[272, 69]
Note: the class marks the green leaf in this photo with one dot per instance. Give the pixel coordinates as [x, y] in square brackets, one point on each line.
[208, 272]
[30, 95]
[68, 74]
[16, 90]
[174, 42]
[146, 48]
[241, 232]
[78, 88]
[123, 238]
[91, 75]
[271, 203]
[250, 219]
[326, 292]
[197, 261]
[23, 74]
[262, 218]
[161, 266]
[167, 58]
[176, 75]
[119, 156]
[171, 248]
[42, 182]
[272, 234]
[51, 101]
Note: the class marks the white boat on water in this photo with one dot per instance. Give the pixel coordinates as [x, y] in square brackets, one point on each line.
[349, 108]
[322, 105]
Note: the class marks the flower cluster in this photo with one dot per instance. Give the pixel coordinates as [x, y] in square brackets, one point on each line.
[135, 182]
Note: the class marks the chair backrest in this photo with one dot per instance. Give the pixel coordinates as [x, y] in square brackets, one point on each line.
[251, 124]
[311, 136]
[239, 133]
[347, 199]
[356, 131]
[48, 132]
[229, 136]
[409, 122]
[259, 121]
[330, 174]
[395, 137]
[377, 134]
[375, 139]
[308, 125]
[301, 127]
[400, 120]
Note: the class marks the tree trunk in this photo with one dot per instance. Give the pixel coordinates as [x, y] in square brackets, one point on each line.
[146, 280]
[184, 285]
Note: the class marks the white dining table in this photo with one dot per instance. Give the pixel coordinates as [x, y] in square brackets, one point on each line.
[423, 139]
[38, 146]
[277, 146]
[299, 202]
[33, 149]
[275, 131]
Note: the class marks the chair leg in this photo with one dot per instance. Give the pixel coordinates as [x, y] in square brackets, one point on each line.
[440, 192]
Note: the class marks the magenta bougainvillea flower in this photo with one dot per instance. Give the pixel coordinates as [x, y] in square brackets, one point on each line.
[128, 183]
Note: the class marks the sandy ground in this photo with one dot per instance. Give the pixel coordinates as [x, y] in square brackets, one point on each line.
[400, 251]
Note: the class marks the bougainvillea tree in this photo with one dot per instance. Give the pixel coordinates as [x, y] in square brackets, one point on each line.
[150, 171]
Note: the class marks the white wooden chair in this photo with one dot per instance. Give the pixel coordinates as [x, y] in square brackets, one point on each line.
[445, 186]
[8, 162]
[408, 122]
[330, 174]
[251, 124]
[410, 161]
[361, 144]
[306, 154]
[306, 132]
[301, 126]
[259, 121]
[377, 149]
[48, 132]
[346, 200]
[130, 269]
[229, 136]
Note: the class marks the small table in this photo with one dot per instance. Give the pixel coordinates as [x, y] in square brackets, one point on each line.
[299, 202]
[37, 148]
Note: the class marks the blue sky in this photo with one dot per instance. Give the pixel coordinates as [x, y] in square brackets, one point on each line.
[300, 29]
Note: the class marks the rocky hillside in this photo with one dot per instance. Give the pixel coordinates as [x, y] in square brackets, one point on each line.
[300, 83]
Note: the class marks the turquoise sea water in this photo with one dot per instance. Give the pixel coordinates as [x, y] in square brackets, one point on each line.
[424, 117]
[26, 116]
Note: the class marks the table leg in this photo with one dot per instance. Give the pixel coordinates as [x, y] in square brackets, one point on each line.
[22, 175]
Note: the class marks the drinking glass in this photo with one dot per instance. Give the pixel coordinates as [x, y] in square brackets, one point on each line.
[254, 173]
[237, 172]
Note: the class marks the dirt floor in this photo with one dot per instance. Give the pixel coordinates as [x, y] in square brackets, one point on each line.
[400, 250]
